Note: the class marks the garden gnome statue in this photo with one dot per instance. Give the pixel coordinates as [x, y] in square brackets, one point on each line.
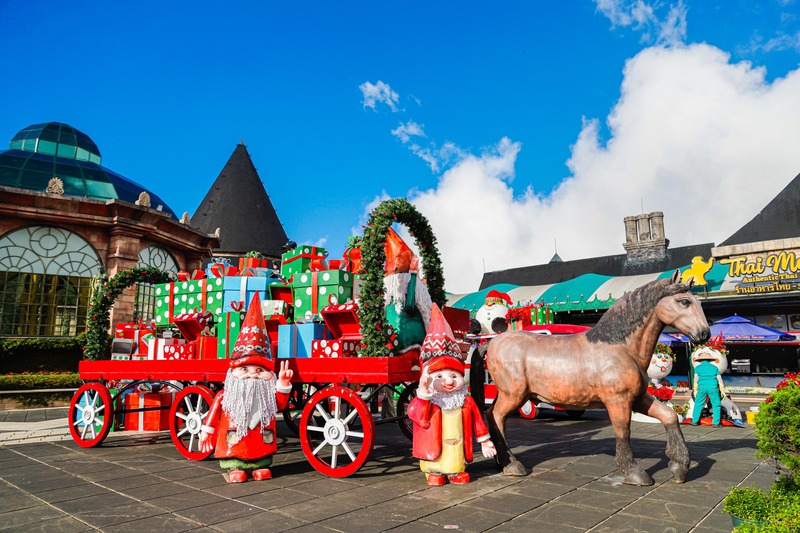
[243, 413]
[408, 303]
[492, 314]
[444, 415]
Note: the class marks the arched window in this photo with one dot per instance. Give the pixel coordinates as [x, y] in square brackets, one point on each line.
[144, 306]
[45, 282]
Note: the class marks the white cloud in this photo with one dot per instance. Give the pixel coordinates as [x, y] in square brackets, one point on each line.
[669, 28]
[706, 141]
[379, 93]
[404, 132]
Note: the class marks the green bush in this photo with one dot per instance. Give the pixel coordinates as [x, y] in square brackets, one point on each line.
[50, 354]
[40, 380]
[778, 430]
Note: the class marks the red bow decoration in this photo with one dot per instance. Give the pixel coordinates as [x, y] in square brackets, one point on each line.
[220, 270]
[194, 274]
[237, 306]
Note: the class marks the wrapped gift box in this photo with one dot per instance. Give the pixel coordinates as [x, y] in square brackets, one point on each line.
[274, 307]
[187, 296]
[192, 324]
[228, 332]
[221, 269]
[299, 260]
[133, 330]
[314, 290]
[155, 347]
[238, 292]
[272, 323]
[205, 347]
[175, 352]
[334, 348]
[252, 262]
[156, 418]
[294, 340]
[342, 320]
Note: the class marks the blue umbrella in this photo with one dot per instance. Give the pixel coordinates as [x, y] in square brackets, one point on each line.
[737, 328]
[664, 338]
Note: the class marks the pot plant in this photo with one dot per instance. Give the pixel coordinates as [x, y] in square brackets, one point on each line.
[778, 431]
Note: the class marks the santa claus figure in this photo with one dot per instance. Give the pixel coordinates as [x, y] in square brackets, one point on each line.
[242, 418]
[492, 314]
[444, 415]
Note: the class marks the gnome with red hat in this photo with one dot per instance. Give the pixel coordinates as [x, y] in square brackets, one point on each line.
[243, 413]
[444, 415]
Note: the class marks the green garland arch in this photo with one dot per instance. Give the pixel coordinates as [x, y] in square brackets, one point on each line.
[373, 258]
[98, 343]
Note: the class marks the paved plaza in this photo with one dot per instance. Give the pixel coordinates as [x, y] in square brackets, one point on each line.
[138, 482]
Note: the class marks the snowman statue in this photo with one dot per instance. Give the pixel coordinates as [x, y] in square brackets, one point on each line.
[660, 364]
[492, 314]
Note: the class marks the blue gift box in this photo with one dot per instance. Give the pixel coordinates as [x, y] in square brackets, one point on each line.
[294, 340]
[240, 290]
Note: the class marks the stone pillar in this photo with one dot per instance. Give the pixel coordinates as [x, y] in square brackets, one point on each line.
[657, 225]
[643, 226]
[123, 254]
[631, 235]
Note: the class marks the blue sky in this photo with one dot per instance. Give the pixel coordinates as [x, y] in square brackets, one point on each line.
[515, 127]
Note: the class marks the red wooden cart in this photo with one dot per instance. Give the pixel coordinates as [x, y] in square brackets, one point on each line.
[336, 423]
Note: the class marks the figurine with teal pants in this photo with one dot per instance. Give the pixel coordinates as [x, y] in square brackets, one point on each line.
[707, 385]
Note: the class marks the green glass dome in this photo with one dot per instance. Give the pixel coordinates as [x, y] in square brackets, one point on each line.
[42, 152]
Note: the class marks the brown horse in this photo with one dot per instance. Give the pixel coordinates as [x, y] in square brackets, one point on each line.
[604, 367]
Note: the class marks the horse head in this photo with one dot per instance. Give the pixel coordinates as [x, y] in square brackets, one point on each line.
[681, 309]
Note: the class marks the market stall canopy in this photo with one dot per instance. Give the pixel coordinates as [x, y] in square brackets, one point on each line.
[669, 340]
[737, 328]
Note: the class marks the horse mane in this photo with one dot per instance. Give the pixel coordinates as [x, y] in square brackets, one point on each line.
[629, 312]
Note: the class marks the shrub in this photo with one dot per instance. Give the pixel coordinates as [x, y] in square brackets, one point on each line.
[42, 353]
[40, 380]
[778, 425]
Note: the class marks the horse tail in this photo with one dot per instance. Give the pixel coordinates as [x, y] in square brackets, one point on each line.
[477, 376]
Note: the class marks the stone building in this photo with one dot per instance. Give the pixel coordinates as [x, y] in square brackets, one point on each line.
[65, 220]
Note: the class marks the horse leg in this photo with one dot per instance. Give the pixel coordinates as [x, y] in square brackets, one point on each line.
[633, 474]
[677, 452]
[496, 417]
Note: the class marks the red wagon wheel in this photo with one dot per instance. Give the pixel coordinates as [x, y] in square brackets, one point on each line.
[90, 414]
[406, 426]
[528, 410]
[186, 417]
[337, 431]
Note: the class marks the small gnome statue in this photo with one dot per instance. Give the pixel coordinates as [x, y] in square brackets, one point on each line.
[444, 415]
[407, 301]
[243, 413]
[492, 314]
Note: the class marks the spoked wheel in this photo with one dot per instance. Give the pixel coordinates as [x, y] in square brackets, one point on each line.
[90, 414]
[186, 417]
[405, 423]
[298, 399]
[337, 431]
[528, 410]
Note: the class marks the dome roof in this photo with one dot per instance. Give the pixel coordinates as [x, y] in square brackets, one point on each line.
[42, 152]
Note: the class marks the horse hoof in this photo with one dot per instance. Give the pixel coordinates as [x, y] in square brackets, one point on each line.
[639, 479]
[515, 469]
[679, 471]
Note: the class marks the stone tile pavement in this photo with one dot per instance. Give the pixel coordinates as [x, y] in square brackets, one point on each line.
[139, 482]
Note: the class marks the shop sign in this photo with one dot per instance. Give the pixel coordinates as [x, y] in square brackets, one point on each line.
[775, 272]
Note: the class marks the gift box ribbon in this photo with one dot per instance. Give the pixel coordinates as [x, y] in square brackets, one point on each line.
[313, 255]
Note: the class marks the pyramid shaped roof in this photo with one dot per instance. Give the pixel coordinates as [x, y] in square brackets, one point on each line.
[780, 219]
[238, 204]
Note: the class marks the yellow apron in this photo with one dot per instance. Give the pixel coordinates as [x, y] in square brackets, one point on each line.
[451, 461]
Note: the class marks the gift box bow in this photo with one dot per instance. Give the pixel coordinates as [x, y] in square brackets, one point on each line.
[220, 270]
[184, 275]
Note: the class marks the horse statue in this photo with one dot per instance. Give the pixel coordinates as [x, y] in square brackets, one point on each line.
[604, 367]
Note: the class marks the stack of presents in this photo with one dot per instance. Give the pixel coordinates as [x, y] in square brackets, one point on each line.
[529, 315]
[198, 316]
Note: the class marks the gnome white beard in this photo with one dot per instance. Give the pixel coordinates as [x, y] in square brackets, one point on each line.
[450, 400]
[395, 287]
[245, 398]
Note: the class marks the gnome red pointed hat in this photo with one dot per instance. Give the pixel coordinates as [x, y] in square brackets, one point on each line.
[252, 345]
[440, 349]
[497, 297]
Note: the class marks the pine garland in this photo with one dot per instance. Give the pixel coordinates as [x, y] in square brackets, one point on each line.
[98, 342]
[371, 315]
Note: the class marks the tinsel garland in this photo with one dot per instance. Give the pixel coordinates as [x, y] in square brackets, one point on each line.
[98, 342]
[376, 342]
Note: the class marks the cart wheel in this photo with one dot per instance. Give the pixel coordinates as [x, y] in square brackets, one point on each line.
[186, 416]
[298, 399]
[90, 413]
[337, 431]
[406, 425]
[528, 410]
[574, 414]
